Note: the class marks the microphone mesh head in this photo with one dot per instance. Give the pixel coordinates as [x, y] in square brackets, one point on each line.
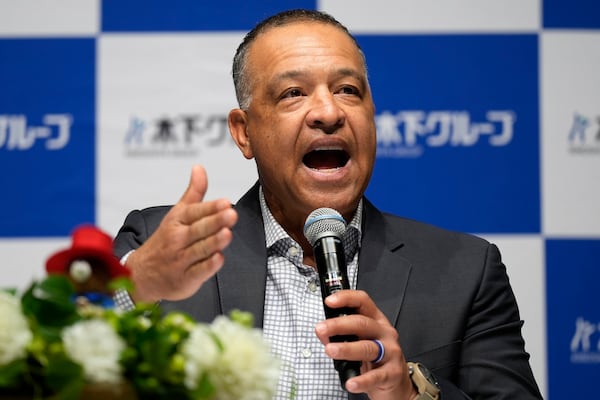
[323, 220]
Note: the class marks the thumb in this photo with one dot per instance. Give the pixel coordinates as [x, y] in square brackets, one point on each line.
[197, 187]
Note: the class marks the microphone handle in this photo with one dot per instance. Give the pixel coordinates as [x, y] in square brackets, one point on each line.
[331, 265]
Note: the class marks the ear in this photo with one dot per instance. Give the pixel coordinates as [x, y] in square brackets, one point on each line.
[238, 127]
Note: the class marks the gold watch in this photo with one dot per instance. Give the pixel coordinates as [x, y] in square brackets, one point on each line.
[424, 381]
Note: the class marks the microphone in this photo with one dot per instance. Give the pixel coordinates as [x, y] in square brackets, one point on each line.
[323, 229]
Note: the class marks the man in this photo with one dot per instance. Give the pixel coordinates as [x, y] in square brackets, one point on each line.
[423, 294]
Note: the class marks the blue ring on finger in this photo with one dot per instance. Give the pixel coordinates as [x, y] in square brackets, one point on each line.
[381, 351]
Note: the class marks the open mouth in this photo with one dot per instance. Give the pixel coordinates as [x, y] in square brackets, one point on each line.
[322, 159]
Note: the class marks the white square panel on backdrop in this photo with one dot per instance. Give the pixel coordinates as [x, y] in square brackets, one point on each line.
[163, 101]
[25, 259]
[570, 108]
[435, 15]
[49, 18]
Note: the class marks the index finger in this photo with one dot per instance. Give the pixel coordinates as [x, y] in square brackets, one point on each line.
[358, 300]
[194, 212]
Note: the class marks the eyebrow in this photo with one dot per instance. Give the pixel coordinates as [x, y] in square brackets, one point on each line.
[340, 72]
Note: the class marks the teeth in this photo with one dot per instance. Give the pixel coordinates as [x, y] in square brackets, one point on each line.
[328, 148]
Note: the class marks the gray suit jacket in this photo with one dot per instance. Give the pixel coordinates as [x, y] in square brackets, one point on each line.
[447, 294]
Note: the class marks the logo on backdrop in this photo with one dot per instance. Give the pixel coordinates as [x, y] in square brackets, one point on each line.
[16, 134]
[409, 133]
[585, 344]
[584, 135]
[181, 135]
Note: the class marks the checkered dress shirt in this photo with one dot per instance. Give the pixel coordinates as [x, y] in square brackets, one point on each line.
[293, 307]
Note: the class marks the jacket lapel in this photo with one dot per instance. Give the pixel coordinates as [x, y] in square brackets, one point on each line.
[242, 280]
[383, 273]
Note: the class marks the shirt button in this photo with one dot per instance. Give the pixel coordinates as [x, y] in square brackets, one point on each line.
[293, 251]
[312, 286]
[306, 353]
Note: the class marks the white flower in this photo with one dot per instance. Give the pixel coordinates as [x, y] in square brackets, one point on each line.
[95, 345]
[246, 369]
[200, 353]
[14, 329]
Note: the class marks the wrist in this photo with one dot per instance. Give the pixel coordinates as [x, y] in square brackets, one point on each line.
[424, 382]
[140, 292]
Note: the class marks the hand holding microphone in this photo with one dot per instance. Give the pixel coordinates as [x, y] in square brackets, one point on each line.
[324, 229]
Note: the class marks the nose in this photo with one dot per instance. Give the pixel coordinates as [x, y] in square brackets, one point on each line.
[325, 113]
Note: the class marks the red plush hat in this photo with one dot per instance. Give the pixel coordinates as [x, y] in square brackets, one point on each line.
[88, 242]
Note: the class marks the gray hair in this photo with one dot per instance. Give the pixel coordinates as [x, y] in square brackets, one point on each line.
[241, 78]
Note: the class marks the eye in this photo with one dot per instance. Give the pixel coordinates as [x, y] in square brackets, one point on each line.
[349, 90]
[294, 92]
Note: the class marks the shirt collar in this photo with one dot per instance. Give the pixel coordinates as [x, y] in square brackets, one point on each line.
[274, 232]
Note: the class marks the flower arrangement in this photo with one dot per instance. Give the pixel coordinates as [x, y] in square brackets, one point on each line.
[57, 342]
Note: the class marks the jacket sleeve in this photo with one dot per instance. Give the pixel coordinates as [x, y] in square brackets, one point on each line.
[494, 363]
[138, 226]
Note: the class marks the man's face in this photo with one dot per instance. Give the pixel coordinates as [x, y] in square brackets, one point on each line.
[310, 124]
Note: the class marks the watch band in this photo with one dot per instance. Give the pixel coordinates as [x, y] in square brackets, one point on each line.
[424, 382]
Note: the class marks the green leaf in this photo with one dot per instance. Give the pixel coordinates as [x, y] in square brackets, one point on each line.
[205, 388]
[50, 303]
[11, 291]
[243, 318]
[72, 391]
[10, 374]
[121, 284]
[61, 373]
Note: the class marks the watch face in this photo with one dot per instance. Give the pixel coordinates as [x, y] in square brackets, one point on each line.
[428, 375]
